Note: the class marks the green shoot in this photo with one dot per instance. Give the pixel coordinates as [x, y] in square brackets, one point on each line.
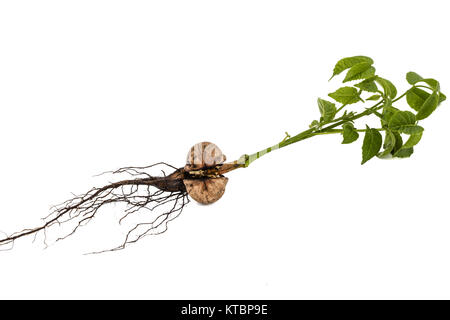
[400, 127]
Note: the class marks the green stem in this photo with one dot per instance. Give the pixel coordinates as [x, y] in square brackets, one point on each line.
[331, 131]
[404, 94]
[248, 159]
[342, 107]
[425, 87]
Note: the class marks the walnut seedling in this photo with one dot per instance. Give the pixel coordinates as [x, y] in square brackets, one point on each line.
[202, 177]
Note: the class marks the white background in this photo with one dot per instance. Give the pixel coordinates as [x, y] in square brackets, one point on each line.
[88, 86]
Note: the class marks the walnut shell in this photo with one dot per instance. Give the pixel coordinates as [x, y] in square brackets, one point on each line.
[206, 191]
[204, 155]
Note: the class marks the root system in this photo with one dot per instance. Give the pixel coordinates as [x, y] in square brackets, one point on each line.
[141, 191]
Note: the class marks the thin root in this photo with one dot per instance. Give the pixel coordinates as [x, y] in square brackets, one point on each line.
[141, 192]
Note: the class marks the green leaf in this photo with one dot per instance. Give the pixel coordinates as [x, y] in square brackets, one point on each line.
[388, 88]
[413, 78]
[345, 95]
[406, 150]
[428, 106]
[398, 142]
[388, 145]
[314, 124]
[350, 134]
[327, 110]
[405, 122]
[412, 141]
[375, 97]
[371, 144]
[416, 97]
[388, 112]
[349, 62]
[368, 85]
[404, 153]
[401, 119]
[434, 84]
[361, 70]
[410, 129]
[442, 97]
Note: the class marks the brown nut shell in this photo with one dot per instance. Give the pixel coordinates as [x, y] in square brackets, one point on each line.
[206, 191]
[204, 155]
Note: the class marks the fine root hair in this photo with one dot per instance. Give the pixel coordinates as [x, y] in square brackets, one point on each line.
[139, 192]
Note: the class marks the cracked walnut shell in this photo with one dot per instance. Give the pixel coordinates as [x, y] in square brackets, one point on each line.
[204, 155]
[206, 191]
